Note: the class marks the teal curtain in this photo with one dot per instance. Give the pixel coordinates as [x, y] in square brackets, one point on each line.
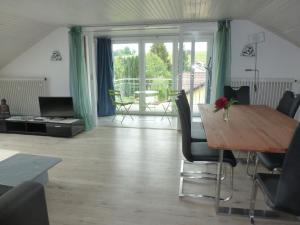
[223, 57]
[79, 79]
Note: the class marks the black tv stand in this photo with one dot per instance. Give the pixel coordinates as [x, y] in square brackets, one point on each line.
[46, 128]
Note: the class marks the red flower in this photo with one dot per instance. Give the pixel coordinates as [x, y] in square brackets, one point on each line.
[221, 102]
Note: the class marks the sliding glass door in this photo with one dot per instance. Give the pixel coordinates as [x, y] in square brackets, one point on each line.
[144, 72]
[126, 71]
[196, 75]
[158, 75]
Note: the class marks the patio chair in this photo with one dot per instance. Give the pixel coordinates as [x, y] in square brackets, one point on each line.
[171, 96]
[120, 104]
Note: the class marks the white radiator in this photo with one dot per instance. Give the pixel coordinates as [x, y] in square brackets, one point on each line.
[269, 91]
[22, 94]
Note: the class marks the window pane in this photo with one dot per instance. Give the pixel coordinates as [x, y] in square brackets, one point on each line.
[158, 74]
[126, 71]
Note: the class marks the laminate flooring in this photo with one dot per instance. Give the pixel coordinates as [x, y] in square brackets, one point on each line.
[125, 176]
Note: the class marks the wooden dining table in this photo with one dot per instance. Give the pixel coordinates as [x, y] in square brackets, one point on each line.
[254, 128]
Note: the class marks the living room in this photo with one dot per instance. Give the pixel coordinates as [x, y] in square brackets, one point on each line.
[91, 128]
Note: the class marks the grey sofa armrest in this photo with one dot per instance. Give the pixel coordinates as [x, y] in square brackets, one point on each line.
[24, 205]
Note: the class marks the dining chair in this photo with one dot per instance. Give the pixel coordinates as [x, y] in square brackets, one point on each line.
[281, 190]
[240, 94]
[288, 105]
[120, 104]
[197, 130]
[198, 153]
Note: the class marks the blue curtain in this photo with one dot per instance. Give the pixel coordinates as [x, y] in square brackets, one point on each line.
[105, 77]
[79, 79]
[223, 56]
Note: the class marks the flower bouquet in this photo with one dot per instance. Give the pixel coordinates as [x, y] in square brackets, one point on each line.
[224, 103]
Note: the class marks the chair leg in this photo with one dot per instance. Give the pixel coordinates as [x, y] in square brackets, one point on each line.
[231, 183]
[255, 167]
[165, 109]
[127, 111]
[117, 110]
[180, 194]
[123, 112]
[194, 176]
[147, 106]
[192, 173]
[252, 201]
[165, 112]
[248, 164]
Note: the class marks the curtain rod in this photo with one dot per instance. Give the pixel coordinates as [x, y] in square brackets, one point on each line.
[157, 24]
[145, 25]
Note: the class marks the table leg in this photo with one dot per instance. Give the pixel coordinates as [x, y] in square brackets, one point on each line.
[230, 211]
[219, 181]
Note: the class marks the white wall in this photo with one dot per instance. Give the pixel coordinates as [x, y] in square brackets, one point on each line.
[35, 62]
[276, 56]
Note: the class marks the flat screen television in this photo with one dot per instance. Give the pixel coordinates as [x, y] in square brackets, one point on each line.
[56, 107]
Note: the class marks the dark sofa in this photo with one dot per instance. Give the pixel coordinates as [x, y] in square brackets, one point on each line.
[23, 205]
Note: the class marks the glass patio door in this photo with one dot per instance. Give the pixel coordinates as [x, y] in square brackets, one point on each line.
[126, 71]
[144, 72]
[158, 81]
[196, 75]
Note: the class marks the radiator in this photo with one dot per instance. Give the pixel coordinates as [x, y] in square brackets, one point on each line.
[22, 94]
[269, 90]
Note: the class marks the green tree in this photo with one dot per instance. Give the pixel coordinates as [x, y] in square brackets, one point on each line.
[131, 67]
[124, 52]
[201, 56]
[160, 50]
[126, 67]
[186, 60]
[156, 68]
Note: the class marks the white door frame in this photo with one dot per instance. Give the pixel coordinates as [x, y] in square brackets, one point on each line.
[201, 38]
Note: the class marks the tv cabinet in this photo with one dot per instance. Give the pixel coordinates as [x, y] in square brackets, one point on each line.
[45, 128]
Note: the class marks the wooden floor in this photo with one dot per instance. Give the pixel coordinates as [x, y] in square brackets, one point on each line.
[127, 176]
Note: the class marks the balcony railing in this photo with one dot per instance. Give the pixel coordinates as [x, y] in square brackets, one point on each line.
[128, 86]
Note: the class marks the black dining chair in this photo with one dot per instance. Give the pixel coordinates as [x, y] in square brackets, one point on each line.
[281, 191]
[198, 153]
[240, 94]
[288, 105]
[197, 130]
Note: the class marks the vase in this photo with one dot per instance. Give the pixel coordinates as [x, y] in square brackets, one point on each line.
[226, 115]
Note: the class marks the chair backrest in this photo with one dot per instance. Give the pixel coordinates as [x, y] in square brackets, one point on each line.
[289, 104]
[241, 94]
[172, 92]
[115, 95]
[287, 196]
[186, 103]
[185, 128]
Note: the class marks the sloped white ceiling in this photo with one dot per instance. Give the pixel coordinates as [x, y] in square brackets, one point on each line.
[103, 12]
[281, 17]
[24, 22]
[17, 34]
